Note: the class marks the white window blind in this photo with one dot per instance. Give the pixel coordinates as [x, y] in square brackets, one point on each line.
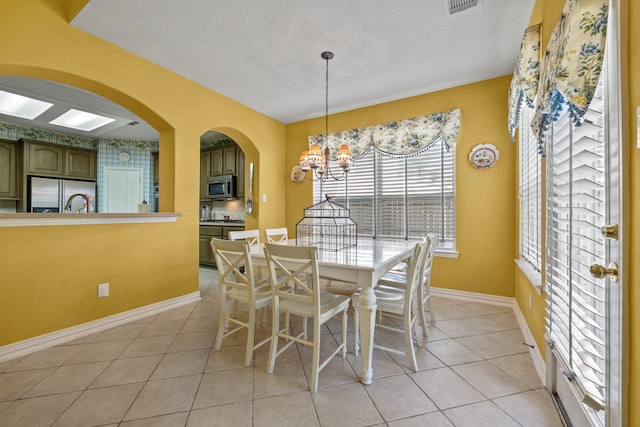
[530, 193]
[576, 203]
[400, 195]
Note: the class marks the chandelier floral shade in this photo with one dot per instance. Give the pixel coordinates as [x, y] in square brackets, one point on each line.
[570, 69]
[400, 137]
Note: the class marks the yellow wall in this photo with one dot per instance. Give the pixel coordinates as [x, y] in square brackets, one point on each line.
[49, 275]
[485, 198]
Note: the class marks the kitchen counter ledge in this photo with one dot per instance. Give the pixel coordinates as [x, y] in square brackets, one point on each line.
[46, 219]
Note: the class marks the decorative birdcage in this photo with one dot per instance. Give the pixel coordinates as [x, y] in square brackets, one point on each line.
[326, 225]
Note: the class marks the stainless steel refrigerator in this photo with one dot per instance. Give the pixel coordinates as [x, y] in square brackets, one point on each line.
[52, 194]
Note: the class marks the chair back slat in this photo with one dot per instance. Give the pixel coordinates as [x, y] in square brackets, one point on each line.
[251, 236]
[294, 272]
[415, 270]
[276, 234]
[233, 260]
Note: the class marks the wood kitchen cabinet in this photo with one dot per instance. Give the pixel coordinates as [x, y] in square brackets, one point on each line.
[207, 232]
[240, 173]
[8, 169]
[229, 160]
[60, 161]
[80, 163]
[46, 159]
[217, 160]
[205, 172]
[156, 168]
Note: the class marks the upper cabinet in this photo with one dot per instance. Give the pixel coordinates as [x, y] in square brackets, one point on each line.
[240, 173]
[60, 161]
[229, 163]
[8, 170]
[156, 168]
[80, 163]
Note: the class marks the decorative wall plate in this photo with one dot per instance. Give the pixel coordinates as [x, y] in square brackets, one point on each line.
[484, 155]
[124, 156]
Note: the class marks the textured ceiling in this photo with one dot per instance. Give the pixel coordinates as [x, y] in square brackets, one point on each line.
[265, 54]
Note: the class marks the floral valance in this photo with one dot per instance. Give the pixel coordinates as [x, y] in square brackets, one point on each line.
[573, 62]
[400, 137]
[524, 84]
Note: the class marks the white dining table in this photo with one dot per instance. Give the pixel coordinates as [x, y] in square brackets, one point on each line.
[363, 265]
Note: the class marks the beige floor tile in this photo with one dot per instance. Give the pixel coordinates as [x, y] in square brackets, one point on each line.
[399, 397]
[181, 364]
[293, 410]
[4, 405]
[37, 411]
[489, 380]
[442, 301]
[234, 414]
[100, 406]
[148, 346]
[68, 378]
[521, 367]
[434, 419]
[51, 357]
[446, 389]
[530, 409]
[200, 324]
[434, 333]
[345, 405]
[424, 358]
[14, 384]
[172, 420]
[451, 352]
[261, 355]
[224, 387]
[126, 331]
[492, 323]
[178, 315]
[287, 377]
[512, 339]
[481, 414]
[231, 357]
[162, 327]
[192, 341]
[327, 345]
[127, 371]
[163, 397]
[337, 371]
[99, 351]
[456, 328]
[383, 364]
[485, 346]
[5, 365]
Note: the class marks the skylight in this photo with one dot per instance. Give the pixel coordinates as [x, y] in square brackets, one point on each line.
[81, 120]
[21, 106]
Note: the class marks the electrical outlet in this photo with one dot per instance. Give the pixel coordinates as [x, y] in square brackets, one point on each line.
[264, 198]
[530, 302]
[103, 290]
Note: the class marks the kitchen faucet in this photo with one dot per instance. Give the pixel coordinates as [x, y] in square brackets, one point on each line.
[67, 207]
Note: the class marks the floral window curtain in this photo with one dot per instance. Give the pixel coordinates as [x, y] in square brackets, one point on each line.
[400, 137]
[524, 85]
[573, 63]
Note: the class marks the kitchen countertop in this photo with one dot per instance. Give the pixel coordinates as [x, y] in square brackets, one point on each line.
[43, 219]
[223, 223]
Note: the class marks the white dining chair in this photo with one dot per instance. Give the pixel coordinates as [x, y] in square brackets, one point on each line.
[276, 234]
[251, 236]
[399, 279]
[295, 285]
[237, 285]
[400, 304]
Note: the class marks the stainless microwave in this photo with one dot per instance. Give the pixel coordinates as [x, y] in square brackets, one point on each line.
[222, 187]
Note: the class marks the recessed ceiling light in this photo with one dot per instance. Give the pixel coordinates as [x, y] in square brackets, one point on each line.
[81, 120]
[21, 106]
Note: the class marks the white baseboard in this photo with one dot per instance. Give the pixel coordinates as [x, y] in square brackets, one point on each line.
[536, 356]
[41, 342]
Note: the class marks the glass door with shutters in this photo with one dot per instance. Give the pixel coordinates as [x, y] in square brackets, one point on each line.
[583, 251]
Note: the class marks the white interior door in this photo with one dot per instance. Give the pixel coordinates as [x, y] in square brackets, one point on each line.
[583, 272]
[123, 189]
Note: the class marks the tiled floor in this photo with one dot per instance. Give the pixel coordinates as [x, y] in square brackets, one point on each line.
[161, 371]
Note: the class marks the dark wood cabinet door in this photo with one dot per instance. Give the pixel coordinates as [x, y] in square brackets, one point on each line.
[8, 175]
[46, 159]
[80, 163]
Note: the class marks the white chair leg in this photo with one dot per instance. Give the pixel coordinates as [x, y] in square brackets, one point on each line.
[248, 355]
[411, 352]
[220, 333]
[313, 387]
[345, 317]
[423, 318]
[431, 314]
[273, 348]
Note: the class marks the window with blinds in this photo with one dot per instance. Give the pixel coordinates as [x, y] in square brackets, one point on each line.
[400, 196]
[576, 207]
[529, 191]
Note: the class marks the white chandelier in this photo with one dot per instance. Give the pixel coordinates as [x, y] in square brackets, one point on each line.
[317, 159]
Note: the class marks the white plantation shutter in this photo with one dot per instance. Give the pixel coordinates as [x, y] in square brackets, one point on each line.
[576, 207]
[530, 193]
[400, 195]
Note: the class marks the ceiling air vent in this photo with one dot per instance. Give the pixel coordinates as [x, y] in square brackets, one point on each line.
[454, 6]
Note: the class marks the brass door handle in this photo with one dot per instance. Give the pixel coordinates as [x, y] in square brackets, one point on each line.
[600, 271]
